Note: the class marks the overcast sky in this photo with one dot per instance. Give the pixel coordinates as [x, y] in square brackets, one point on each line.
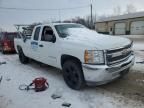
[100, 7]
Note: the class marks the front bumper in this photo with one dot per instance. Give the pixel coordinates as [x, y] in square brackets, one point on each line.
[102, 74]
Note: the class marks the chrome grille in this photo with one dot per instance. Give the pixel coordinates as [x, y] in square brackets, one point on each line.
[118, 55]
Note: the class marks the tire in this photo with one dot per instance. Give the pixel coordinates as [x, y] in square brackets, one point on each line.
[73, 75]
[23, 59]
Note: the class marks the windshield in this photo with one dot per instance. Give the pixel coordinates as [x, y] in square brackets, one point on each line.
[63, 29]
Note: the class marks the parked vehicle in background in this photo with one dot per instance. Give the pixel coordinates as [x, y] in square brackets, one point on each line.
[84, 56]
[7, 42]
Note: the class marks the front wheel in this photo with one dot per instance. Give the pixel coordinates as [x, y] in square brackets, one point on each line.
[23, 59]
[73, 75]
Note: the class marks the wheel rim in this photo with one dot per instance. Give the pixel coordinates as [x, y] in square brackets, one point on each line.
[72, 76]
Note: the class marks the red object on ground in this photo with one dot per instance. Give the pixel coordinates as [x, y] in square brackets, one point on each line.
[40, 84]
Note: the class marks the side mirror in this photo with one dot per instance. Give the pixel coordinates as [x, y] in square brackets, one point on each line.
[53, 39]
[24, 39]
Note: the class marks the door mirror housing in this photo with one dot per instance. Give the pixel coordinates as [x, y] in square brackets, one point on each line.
[53, 39]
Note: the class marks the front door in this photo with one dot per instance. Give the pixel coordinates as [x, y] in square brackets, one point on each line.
[47, 48]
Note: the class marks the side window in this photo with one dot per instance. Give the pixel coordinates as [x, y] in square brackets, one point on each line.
[36, 34]
[47, 34]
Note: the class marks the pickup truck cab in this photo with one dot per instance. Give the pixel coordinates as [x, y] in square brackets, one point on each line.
[84, 56]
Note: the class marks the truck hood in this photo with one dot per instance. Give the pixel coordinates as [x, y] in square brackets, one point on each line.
[93, 39]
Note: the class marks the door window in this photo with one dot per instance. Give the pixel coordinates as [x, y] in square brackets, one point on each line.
[47, 34]
[36, 34]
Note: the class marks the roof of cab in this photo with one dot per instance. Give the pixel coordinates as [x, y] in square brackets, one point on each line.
[56, 23]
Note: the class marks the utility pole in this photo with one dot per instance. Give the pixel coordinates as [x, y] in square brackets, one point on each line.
[91, 16]
[91, 23]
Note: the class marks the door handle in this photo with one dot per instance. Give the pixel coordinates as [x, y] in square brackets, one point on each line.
[41, 45]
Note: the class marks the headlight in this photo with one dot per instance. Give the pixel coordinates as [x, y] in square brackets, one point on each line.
[94, 57]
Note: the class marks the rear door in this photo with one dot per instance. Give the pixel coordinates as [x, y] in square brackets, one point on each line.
[34, 44]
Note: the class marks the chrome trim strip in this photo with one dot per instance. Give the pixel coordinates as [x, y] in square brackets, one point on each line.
[112, 52]
[114, 62]
[129, 49]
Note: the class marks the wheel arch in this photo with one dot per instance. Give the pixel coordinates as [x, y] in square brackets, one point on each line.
[19, 48]
[66, 57]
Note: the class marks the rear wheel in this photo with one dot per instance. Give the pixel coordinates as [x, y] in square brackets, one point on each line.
[73, 75]
[23, 59]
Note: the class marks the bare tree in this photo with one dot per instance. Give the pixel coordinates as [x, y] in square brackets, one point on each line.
[86, 21]
[130, 9]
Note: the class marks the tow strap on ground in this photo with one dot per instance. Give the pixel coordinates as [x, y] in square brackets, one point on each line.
[38, 84]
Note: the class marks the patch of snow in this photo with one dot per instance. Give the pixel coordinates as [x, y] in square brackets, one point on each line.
[12, 97]
[99, 41]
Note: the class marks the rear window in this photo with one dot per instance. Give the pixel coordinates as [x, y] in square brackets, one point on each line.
[10, 36]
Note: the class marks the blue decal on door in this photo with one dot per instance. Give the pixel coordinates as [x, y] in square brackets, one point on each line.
[34, 45]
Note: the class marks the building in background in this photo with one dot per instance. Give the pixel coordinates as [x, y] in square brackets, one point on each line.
[128, 24]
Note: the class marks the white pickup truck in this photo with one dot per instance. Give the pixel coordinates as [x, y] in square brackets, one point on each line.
[84, 56]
